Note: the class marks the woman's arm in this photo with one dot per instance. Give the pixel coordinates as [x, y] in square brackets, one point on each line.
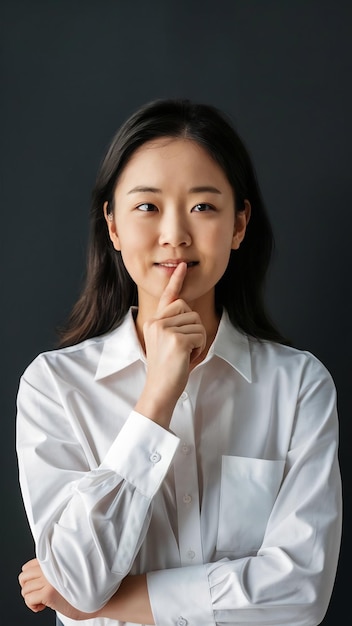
[88, 520]
[79, 514]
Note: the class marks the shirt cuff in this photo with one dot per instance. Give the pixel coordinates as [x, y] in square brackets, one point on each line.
[142, 453]
[180, 597]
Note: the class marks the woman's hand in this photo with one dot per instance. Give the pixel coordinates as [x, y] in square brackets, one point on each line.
[130, 603]
[173, 339]
[38, 594]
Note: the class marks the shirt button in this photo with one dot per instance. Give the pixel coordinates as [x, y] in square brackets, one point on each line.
[187, 498]
[191, 554]
[155, 457]
[185, 449]
[182, 621]
[184, 395]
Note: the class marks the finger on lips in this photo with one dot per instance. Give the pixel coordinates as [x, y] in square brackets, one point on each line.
[174, 286]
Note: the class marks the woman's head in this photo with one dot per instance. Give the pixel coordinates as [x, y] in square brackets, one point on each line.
[109, 290]
[174, 203]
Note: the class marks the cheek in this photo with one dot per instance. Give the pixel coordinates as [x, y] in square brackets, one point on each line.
[221, 240]
[128, 240]
[222, 247]
[134, 250]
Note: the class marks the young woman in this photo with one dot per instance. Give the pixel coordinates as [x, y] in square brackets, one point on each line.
[178, 460]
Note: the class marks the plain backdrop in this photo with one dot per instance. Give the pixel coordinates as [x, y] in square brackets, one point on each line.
[71, 72]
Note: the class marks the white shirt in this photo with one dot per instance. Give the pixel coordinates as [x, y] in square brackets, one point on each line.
[235, 512]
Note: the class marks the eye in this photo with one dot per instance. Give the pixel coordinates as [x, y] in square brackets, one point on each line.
[146, 207]
[203, 207]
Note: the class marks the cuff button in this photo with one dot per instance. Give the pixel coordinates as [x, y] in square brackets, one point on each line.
[155, 457]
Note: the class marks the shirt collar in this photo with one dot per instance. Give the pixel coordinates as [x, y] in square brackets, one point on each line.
[121, 348]
[232, 346]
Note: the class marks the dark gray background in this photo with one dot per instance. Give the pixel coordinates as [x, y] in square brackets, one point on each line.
[71, 72]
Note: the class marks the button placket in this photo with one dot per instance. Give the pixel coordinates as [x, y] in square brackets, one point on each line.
[186, 484]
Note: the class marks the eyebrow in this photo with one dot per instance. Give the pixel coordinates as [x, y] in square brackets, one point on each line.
[205, 189]
[144, 188]
[201, 189]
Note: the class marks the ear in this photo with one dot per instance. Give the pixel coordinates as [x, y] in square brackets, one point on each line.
[110, 221]
[241, 221]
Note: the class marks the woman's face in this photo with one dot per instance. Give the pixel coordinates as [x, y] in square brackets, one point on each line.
[174, 203]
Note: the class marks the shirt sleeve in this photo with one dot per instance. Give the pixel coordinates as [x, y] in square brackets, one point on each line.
[88, 524]
[289, 580]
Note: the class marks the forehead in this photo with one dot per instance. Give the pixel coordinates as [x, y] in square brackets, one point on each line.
[177, 159]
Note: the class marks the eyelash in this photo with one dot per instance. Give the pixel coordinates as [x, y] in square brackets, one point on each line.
[151, 210]
[203, 204]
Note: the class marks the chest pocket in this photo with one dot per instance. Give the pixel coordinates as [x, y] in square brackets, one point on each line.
[248, 491]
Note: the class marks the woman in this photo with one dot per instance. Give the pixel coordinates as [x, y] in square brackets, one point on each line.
[178, 460]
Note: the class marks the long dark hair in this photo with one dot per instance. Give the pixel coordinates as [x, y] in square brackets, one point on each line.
[109, 291]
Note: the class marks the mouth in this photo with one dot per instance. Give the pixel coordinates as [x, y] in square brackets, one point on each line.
[172, 264]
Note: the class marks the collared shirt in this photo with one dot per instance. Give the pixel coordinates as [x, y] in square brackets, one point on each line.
[234, 512]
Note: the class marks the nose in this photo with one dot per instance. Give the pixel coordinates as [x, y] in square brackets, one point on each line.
[174, 230]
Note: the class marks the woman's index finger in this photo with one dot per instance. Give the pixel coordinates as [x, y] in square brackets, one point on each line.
[173, 287]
